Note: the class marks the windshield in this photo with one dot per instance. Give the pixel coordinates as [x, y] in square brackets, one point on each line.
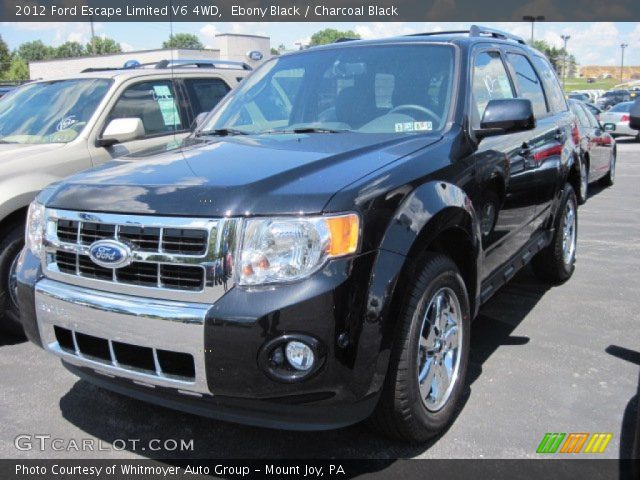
[50, 112]
[622, 107]
[371, 89]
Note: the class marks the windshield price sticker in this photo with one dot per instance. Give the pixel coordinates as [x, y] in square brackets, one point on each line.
[414, 126]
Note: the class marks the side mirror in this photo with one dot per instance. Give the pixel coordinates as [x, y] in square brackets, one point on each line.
[634, 115]
[506, 115]
[121, 130]
[198, 120]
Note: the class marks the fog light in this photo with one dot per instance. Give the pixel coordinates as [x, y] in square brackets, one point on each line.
[299, 355]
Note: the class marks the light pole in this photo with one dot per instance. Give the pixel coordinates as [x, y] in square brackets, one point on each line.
[565, 39]
[622, 47]
[533, 20]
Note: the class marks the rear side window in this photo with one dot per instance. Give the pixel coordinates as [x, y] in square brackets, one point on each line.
[154, 103]
[555, 97]
[593, 122]
[527, 83]
[581, 114]
[490, 82]
[205, 93]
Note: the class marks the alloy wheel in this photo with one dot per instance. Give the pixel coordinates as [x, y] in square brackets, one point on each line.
[440, 348]
[569, 233]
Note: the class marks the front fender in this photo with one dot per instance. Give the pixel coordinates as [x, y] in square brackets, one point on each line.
[426, 212]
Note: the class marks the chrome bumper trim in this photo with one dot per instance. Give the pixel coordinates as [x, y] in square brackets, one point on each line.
[156, 324]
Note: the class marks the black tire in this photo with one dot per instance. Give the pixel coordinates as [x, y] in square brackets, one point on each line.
[583, 194]
[610, 178]
[401, 412]
[551, 264]
[10, 246]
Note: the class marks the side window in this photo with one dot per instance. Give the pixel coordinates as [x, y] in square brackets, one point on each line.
[593, 121]
[205, 93]
[490, 82]
[555, 97]
[582, 116]
[527, 83]
[152, 102]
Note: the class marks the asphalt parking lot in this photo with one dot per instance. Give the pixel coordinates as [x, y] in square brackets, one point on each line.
[562, 359]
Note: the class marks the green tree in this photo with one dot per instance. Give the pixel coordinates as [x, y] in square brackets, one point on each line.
[274, 51]
[330, 35]
[102, 46]
[70, 49]
[183, 40]
[5, 57]
[18, 70]
[34, 51]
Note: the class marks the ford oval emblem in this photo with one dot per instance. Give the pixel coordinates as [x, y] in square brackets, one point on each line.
[110, 254]
[255, 55]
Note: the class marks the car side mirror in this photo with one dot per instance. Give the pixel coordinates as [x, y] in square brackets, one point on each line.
[198, 120]
[634, 115]
[120, 130]
[507, 115]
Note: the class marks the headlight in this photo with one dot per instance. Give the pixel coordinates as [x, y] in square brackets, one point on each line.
[35, 228]
[278, 250]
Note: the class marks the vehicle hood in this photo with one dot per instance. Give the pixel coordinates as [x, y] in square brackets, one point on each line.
[8, 151]
[252, 175]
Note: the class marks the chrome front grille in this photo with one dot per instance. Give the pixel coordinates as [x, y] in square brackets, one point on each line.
[172, 258]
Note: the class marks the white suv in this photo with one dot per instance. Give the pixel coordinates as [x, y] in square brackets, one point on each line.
[50, 129]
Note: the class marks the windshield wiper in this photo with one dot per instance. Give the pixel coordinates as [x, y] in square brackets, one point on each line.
[221, 132]
[6, 142]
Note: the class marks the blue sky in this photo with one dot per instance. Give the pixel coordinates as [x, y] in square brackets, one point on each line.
[592, 43]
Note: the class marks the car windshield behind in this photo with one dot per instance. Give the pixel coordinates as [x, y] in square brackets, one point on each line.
[50, 112]
[365, 89]
[622, 107]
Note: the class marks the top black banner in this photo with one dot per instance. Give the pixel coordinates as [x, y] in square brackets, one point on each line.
[317, 11]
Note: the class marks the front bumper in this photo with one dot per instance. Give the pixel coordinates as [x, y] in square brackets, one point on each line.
[224, 340]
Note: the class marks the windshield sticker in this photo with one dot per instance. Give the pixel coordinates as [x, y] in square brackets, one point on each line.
[413, 127]
[422, 126]
[66, 122]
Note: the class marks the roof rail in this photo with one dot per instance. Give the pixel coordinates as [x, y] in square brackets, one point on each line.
[442, 32]
[177, 63]
[480, 31]
[475, 31]
[202, 64]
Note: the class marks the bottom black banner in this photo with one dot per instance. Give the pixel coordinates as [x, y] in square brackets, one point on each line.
[326, 469]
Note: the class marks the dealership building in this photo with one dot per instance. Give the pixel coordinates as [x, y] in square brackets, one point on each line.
[226, 46]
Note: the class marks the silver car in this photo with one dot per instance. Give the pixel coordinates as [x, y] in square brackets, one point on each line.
[616, 121]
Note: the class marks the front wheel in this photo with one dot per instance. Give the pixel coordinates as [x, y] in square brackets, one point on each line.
[10, 247]
[556, 262]
[429, 358]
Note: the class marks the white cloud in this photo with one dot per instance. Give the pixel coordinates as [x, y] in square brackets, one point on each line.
[209, 31]
[126, 47]
[383, 29]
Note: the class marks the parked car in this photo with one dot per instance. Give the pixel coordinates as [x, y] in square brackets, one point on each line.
[616, 121]
[596, 148]
[613, 97]
[582, 97]
[314, 253]
[52, 128]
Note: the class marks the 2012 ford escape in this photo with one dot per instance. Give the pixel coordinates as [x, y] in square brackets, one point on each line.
[313, 255]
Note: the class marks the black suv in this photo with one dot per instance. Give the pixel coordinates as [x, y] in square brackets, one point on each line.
[314, 254]
[612, 98]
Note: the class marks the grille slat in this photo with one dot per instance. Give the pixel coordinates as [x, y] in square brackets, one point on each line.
[179, 241]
